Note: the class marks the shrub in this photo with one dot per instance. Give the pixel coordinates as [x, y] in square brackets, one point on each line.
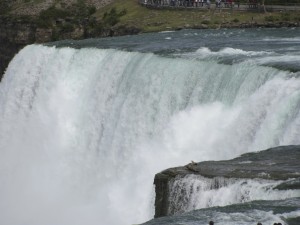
[53, 13]
[47, 17]
[235, 20]
[205, 22]
[4, 7]
[112, 17]
[286, 16]
[91, 10]
[67, 28]
[270, 18]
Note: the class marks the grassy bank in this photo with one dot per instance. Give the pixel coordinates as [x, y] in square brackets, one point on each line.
[152, 20]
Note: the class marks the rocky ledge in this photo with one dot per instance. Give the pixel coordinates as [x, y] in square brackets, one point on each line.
[279, 163]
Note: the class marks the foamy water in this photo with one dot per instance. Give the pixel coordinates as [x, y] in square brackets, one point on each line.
[83, 131]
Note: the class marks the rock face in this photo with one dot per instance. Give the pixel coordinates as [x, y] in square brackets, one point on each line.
[14, 35]
[280, 163]
[17, 33]
[20, 25]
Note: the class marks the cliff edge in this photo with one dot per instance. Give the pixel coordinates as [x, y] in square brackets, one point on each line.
[279, 163]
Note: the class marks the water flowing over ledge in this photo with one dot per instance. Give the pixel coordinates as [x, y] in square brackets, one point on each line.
[273, 174]
[83, 131]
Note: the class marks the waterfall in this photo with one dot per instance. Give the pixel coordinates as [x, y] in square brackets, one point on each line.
[83, 131]
[195, 192]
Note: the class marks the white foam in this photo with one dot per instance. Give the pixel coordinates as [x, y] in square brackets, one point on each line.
[248, 218]
[294, 39]
[82, 132]
[206, 52]
[195, 192]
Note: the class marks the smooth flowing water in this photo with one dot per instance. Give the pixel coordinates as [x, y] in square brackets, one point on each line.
[85, 125]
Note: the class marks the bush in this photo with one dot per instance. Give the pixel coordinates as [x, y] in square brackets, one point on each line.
[286, 17]
[270, 18]
[47, 17]
[235, 20]
[112, 17]
[4, 7]
[53, 13]
[67, 28]
[43, 23]
[205, 22]
[91, 10]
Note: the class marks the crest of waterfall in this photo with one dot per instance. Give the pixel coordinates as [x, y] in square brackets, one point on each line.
[83, 131]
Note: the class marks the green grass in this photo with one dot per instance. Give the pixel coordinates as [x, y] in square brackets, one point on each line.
[153, 20]
[150, 19]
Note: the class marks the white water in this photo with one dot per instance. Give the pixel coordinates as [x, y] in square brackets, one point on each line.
[82, 132]
[196, 192]
[250, 217]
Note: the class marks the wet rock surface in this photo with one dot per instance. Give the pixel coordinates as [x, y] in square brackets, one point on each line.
[279, 163]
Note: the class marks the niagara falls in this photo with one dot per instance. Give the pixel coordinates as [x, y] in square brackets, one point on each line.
[85, 125]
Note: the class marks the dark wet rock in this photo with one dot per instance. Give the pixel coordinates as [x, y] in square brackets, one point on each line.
[280, 163]
[14, 35]
[202, 216]
[290, 184]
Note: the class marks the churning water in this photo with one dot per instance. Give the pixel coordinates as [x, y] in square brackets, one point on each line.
[85, 125]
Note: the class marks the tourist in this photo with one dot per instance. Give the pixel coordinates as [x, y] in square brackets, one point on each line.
[259, 224]
[211, 223]
[208, 4]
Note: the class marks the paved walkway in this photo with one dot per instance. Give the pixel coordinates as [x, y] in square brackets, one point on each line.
[241, 7]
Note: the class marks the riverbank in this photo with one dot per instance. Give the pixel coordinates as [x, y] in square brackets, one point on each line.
[151, 19]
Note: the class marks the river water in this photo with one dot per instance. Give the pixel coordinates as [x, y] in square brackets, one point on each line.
[85, 125]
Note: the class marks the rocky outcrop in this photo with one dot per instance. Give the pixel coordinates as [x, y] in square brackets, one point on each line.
[17, 32]
[28, 22]
[14, 35]
[280, 163]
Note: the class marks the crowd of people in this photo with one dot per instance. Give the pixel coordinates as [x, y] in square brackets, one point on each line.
[200, 3]
[212, 223]
[273, 223]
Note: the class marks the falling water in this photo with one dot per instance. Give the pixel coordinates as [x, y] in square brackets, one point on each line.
[83, 131]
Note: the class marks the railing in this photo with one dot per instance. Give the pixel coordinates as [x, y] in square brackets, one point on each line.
[217, 4]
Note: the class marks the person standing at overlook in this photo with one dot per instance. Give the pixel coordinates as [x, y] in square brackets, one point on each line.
[208, 4]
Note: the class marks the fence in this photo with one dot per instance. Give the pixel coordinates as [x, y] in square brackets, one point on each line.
[251, 5]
